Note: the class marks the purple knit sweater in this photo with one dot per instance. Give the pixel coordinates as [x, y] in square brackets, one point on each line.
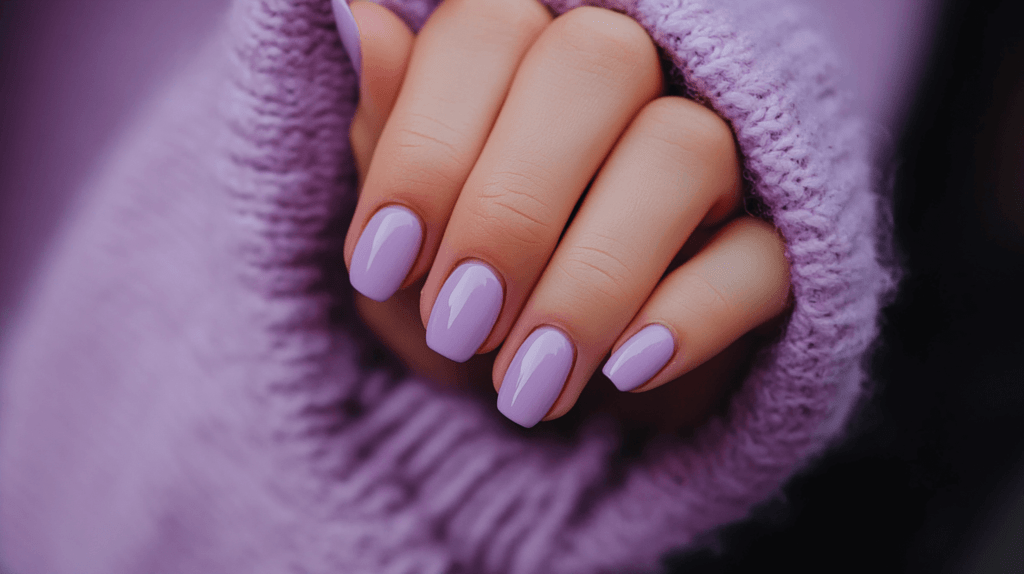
[185, 394]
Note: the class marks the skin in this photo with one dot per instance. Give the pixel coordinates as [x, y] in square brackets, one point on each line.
[490, 125]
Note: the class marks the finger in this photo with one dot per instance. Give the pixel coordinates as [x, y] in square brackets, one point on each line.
[385, 44]
[462, 64]
[582, 82]
[739, 281]
[675, 165]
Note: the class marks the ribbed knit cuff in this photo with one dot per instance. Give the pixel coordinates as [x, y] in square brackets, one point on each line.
[210, 410]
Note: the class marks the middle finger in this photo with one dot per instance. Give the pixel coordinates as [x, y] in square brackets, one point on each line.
[580, 85]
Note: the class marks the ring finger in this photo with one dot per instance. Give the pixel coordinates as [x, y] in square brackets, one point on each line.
[675, 167]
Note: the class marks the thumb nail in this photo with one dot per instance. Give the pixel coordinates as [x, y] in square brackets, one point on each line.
[349, 34]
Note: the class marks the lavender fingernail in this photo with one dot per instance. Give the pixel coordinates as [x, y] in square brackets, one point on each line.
[464, 312]
[536, 376]
[640, 358]
[349, 33]
[385, 252]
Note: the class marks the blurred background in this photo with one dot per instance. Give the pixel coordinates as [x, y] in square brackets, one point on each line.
[931, 478]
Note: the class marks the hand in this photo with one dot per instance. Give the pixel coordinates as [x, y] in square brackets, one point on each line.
[476, 140]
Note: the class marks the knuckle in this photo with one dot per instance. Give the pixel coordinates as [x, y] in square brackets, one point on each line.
[689, 126]
[608, 42]
[415, 171]
[526, 17]
[497, 21]
[428, 155]
[511, 217]
[703, 299]
[759, 231]
[748, 282]
[765, 252]
[596, 273]
[427, 132]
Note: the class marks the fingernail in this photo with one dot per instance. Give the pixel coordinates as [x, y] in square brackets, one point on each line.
[536, 376]
[385, 252]
[464, 312]
[640, 358]
[349, 33]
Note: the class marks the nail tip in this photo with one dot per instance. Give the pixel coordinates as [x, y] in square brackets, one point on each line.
[449, 354]
[516, 419]
[369, 293]
[640, 358]
[349, 32]
[363, 288]
[616, 378]
[607, 371]
[625, 386]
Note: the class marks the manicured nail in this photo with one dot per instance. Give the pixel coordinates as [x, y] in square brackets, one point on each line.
[349, 33]
[536, 376]
[385, 252]
[464, 312]
[640, 358]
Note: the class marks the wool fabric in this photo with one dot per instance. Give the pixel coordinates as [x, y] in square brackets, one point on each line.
[187, 390]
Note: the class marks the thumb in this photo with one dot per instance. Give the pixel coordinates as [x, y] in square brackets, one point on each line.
[383, 43]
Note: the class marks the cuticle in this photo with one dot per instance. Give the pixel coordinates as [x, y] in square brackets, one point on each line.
[568, 337]
[675, 351]
[675, 340]
[572, 343]
[494, 270]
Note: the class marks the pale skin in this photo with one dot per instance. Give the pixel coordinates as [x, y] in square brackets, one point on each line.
[490, 125]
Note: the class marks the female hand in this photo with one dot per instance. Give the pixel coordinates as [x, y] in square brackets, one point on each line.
[475, 142]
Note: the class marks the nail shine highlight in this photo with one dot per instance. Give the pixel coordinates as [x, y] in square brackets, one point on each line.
[386, 252]
[536, 376]
[640, 358]
[464, 312]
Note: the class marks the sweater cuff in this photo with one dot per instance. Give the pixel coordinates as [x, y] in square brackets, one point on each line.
[207, 413]
[807, 168]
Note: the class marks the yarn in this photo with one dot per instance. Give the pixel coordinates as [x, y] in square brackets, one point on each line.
[186, 392]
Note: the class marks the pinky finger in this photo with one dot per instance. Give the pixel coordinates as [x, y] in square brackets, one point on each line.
[738, 281]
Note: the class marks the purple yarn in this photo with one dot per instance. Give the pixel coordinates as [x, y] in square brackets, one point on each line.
[183, 392]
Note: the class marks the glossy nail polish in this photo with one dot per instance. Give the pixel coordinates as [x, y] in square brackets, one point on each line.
[385, 253]
[349, 33]
[536, 376]
[640, 358]
[465, 311]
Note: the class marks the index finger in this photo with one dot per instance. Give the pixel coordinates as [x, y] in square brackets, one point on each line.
[379, 44]
[462, 65]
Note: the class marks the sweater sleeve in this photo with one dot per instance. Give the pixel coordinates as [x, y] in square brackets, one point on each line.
[189, 390]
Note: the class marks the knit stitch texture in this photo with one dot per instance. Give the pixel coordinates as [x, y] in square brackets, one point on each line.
[187, 390]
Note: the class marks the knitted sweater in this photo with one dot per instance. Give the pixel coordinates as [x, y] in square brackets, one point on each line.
[188, 390]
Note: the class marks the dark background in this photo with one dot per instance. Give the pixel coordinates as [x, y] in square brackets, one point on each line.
[932, 480]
